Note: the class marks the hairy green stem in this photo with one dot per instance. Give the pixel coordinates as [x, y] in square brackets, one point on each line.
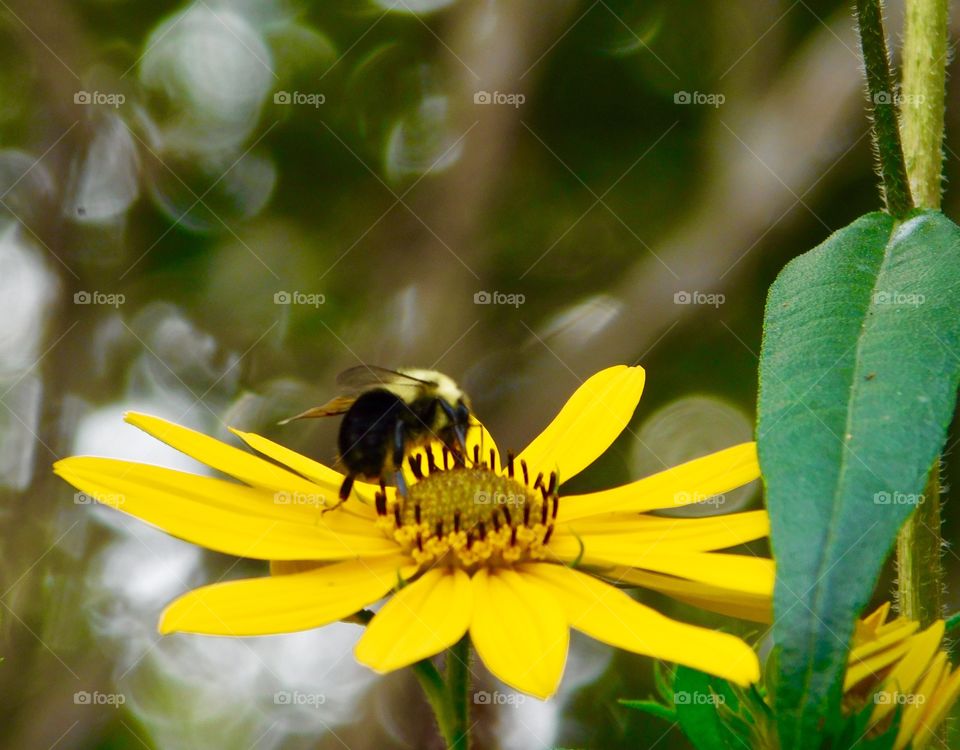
[919, 546]
[435, 689]
[883, 107]
[922, 97]
[458, 687]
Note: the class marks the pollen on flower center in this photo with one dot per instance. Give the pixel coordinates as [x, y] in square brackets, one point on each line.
[472, 516]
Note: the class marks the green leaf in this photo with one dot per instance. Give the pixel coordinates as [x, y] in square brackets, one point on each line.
[699, 698]
[858, 380]
[654, 708]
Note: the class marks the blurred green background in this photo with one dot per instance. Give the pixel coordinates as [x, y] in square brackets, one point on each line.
[208, 210]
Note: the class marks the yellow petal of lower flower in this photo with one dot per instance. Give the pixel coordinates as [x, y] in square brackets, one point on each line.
[752, 575]
[937, 708]
[587, 424]
[421, 620]
[913, 712]
[871, 665]
[610, 615]
[753, 607]
[221, 515]
[519, 631]
[217, 455]
[692, 482]
[715, 532]
[908, 671]
[283, 604]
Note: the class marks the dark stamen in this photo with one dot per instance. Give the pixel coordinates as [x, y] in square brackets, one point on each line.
[544, 509]
[495, 518]
[513, 536]
[396, 515]
[526, 515]
[510, 464]
[546, 537]
[431, 460]
[476, 455]
[556, 506]
[456, 521]
[506, 514]
[469, 540]
[553, 483]
[416, 466]
[380, 500]
[493, 460]
[439, 529]
[446, 457]
[481, 531]
[526, 475]
[416, 512]
[538, 482]
[419, 542]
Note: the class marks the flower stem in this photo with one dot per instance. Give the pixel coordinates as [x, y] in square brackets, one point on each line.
[919, 546]
[922, 100]
[435, 689]
[458, 686]
[883, 106]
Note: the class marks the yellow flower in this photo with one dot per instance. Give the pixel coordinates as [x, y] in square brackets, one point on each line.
[892, 665]
[489, 549]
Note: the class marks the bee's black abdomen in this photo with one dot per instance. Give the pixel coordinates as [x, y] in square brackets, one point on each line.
[366, 431]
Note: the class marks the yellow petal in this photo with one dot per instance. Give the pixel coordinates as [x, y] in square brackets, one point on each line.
[587, 424]
[715, 532]
[283, 604]
[231, 461]
[421, 620]
[609, 615]
[938, 706]
[914, 711]
[692, 482]
[753, 607]
[519, 631]
[873, 664]
[911, 667]
[222, 515]
[746, 573]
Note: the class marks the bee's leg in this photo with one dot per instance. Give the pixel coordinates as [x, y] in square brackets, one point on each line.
[459, 450]
[345, 489]
[399, 443]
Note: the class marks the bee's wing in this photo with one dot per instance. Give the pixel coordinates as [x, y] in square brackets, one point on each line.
[363, 377]
[332, 408]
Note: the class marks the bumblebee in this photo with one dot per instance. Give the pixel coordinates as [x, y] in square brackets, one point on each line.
[386, 413]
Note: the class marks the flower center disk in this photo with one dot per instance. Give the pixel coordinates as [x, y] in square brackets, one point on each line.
[472, 517]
